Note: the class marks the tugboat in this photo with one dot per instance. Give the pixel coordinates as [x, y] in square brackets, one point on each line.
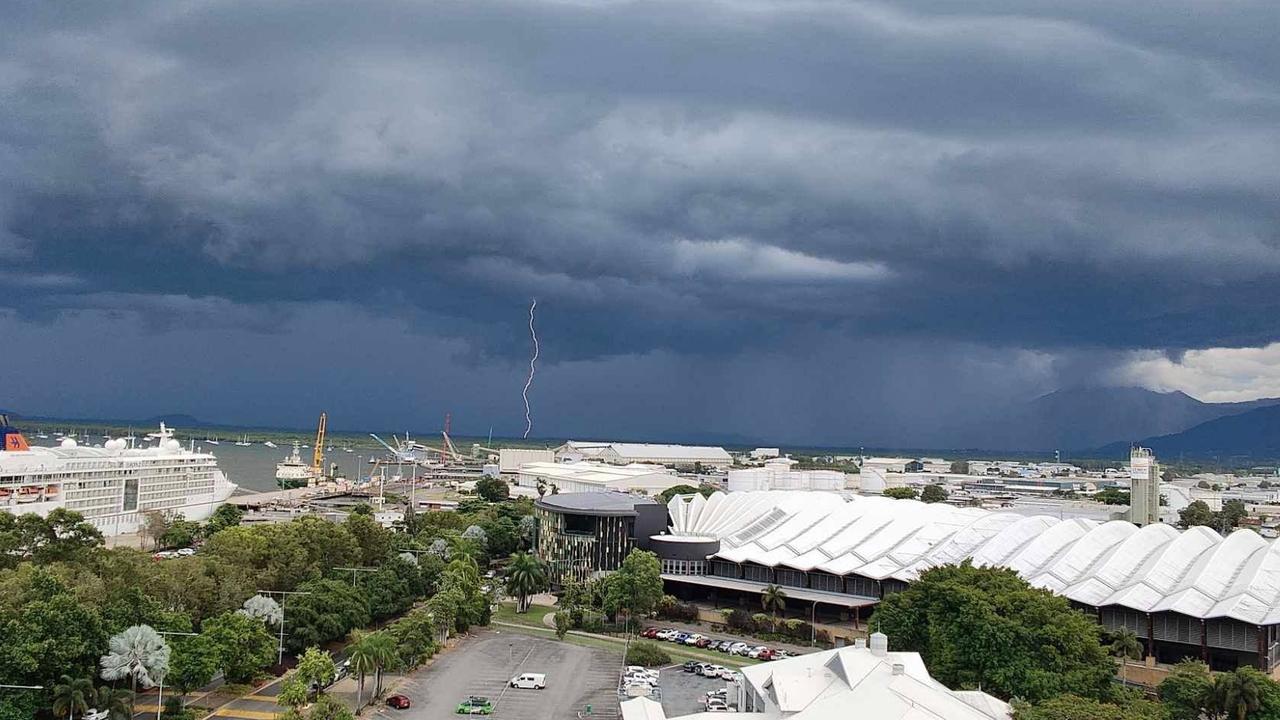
[292, 472]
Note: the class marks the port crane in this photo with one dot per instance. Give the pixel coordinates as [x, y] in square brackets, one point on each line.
[317, 455]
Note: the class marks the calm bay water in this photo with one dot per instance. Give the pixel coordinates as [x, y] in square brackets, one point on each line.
[253, 468]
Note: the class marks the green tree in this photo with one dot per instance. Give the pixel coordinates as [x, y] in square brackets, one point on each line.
[987, 627]
[563, 623]
[244, 645]
[329, 610]
[933, 494]
[193, 665]
[492, 489]
[72, 696]
[462, 580]
[315, 670]
[1187, 691]
[1125, 647]
[118, 703]
[180, 533]
[1233, 511]
[1195, 513]
[525, 576]
[900, 493]
[665, 496]
[415, 636]
[225, 516]
[47, 632]
[294, 692]
[1112, 496]
[1239, 693]
[361, 654]
[154, 526]
[774, 602]
[1074, 707]
[636, 587]
[372, 541]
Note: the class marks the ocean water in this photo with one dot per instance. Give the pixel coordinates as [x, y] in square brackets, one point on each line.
[253, 468]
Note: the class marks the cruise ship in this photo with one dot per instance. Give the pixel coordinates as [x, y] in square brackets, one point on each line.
[114, 485]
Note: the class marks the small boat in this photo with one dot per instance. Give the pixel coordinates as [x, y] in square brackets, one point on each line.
[243, 442]
[270, 444]
[211, 440]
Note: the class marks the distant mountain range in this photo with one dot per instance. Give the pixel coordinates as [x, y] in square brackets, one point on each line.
[1083, 419]
[1252, 434]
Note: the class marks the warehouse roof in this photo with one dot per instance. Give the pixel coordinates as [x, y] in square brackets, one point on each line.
[592, 472]
[1151, 569]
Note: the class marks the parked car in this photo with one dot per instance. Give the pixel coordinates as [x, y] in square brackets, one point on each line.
[186, 552]
[711, 670]
[690, 665]
[530, 681]
[475, 705]
[721, 693]
[717, 705]
[728, 674]
[704, 642]
[665, 634]
[780, 655]
[399, 702]
[724, 645]
[680, 637]
[755, 651]
[649, 633]
[738, 648]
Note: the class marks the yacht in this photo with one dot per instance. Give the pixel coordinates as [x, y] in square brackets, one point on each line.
[113, 486]
[270, 444]
[243, 442]
[293, 472]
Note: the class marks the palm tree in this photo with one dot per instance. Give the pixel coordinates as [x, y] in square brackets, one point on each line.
[1237, 693]
[138, 653]
[382, 647]
[117, 703]
[1125, 645]
[360, 654]
[774, 600]
[70, 695]
[526, 575]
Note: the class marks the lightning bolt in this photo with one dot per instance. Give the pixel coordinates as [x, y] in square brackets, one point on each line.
[528, 416]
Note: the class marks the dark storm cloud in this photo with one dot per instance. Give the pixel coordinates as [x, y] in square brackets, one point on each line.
[677, 183]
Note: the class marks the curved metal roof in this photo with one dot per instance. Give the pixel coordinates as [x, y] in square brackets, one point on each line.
[1152, 569]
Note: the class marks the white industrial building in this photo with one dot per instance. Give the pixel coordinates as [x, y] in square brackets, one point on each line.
[778, 475]
[678, 456]
[571, 477]
[858, 681]
[510, 459]
[764, 453]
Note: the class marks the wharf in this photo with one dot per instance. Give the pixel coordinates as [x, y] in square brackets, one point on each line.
[292, 496]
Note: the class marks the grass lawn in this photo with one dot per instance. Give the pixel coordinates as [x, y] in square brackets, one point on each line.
[506, 612]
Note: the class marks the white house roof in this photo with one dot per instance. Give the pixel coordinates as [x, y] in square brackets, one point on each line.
[1155, 568]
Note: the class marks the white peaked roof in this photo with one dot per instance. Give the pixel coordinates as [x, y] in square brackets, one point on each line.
[1151, 569]
[851, 682]
[652, 451]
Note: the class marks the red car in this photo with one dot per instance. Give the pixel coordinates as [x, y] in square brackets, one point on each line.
[399, 702]
[649, 632]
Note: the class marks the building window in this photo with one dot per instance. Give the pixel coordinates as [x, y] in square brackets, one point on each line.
[131, 494]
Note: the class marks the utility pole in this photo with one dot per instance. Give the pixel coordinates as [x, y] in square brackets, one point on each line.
[160, 700]
[269, 593]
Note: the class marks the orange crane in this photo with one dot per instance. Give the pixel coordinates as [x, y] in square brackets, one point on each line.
[317, 455]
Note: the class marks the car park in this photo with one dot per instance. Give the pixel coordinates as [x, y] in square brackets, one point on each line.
[399, 702]
[475, 705]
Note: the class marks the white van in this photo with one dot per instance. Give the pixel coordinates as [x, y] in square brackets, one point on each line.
[529, 681]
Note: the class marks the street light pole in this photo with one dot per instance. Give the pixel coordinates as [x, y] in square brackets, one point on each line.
[160, 699]
[268, 593]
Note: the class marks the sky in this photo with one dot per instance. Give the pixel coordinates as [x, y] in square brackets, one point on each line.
[827, 222]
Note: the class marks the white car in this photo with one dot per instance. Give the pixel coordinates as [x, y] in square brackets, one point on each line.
[755, 651]
[717, 705]
[665, 634]
[692, 639]
[738, 648]
[710, 671]
[728, 674]
[186, 552]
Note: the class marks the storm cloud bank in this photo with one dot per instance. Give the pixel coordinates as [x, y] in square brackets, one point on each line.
[837, 222]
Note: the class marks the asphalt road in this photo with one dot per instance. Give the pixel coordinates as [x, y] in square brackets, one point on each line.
[685, 693]
[484, 663]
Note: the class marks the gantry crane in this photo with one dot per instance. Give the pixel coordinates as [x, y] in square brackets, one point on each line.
[317, 455]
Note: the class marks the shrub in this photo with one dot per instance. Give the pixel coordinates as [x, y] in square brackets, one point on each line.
[672, 609]
[648, 654]
[563, 623]
[737, 620]
[762, 621]
[592, 622]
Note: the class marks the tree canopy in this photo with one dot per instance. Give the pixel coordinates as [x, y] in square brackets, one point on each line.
[900, 493]
[986, 627]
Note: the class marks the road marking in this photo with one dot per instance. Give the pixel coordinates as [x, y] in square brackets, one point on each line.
[245, 714]
[505, 685]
